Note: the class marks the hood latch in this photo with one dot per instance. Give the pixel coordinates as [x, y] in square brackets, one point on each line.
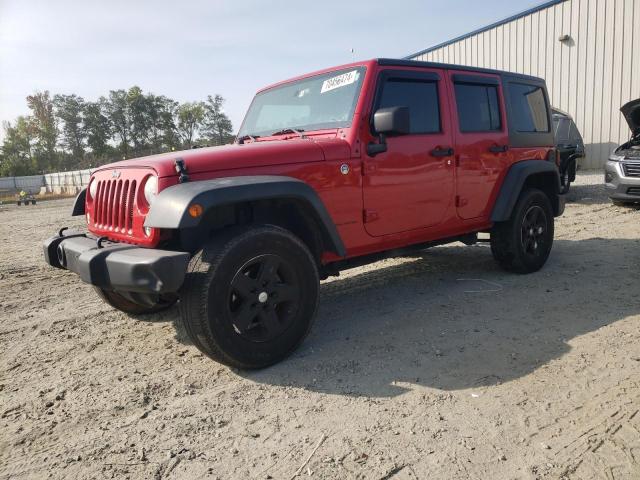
[181, 169]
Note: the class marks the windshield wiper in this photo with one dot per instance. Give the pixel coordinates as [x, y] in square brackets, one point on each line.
[246, 137]
[289, 130]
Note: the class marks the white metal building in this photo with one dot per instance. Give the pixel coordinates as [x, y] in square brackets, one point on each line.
[588, 51]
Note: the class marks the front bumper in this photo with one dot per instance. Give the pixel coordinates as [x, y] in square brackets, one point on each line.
[619, 186]
[117, 266]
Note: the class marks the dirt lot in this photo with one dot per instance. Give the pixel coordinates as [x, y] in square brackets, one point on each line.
[440, 366]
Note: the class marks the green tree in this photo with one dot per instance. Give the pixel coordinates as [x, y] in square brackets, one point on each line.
[139, 111]
[190, 117]
[67, 132]
[45, 130]
[117, 109]
[97, 127]
[17, 149]
[163, 133]
[70, 110]
[216, 126]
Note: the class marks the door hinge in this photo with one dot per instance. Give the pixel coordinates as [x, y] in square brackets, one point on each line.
[461, 202]
[369, 216]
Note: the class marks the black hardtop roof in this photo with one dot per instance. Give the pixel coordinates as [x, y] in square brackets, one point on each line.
[394, 62]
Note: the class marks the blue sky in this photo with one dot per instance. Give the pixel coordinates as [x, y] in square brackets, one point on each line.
[188, 49]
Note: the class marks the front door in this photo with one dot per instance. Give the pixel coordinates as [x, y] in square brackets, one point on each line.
[411, 185]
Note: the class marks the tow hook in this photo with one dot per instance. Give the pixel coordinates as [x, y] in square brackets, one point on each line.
[100, 240]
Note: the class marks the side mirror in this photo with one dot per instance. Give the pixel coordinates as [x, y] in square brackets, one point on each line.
[392, 121]
[388, 121]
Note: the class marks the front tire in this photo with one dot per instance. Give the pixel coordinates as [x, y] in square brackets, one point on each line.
[250, 297]
[523, 243]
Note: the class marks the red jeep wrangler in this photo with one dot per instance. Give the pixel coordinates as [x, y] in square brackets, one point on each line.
[330, 170]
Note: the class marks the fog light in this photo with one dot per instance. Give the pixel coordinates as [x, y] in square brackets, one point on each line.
[608, 177]
[148, 231]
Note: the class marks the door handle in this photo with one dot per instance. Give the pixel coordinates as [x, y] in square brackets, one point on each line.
[498, 148]
[442, 152]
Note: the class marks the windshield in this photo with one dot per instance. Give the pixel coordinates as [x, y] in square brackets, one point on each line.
[315, 103]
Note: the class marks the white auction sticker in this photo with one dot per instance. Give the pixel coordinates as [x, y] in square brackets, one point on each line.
[339, 81]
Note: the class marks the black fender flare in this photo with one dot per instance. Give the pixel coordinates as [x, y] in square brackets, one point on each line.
[170, 208]
[78, 204]
[514, 182]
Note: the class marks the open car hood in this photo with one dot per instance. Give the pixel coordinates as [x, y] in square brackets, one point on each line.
[631, 112]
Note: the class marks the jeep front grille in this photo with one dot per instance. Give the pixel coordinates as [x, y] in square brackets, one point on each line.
[631, 169]
[113, 208]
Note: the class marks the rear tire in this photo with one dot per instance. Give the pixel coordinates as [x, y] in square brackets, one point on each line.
[250, 297]
[119, 302]
[523, 243]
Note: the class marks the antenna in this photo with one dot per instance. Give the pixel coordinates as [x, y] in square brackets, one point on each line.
[353, 59]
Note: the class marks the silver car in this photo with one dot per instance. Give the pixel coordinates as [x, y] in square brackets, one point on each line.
[622, 171]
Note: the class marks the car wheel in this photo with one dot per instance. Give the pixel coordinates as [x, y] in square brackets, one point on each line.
[33, 202]
[523, 243]
[250, 298]
[126, 305]
[18, 203]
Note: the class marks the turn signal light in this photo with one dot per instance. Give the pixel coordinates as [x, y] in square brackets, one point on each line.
[195, 210]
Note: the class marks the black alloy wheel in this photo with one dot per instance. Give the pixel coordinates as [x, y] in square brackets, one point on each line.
[533, 231]
[263, 298]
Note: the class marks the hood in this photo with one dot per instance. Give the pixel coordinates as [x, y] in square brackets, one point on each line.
[228, 157]
[631, 112]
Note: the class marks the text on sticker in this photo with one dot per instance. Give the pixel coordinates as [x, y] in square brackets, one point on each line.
[339, 81]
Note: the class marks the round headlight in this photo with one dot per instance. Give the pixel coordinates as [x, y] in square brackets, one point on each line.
[151, 189]
[93, 189]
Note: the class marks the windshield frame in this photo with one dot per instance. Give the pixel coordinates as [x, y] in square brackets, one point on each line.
[314, 127]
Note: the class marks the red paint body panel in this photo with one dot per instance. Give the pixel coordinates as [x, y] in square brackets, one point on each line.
[406, 188]
[478, 169]
[406, 195]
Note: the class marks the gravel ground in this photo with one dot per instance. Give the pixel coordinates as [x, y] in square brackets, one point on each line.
[437, 366]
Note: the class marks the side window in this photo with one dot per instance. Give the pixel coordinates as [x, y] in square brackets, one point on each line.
[420, 96]
[529, 108]
[562, 125]
[478, 107]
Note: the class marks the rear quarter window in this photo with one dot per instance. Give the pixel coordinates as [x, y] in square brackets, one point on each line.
[528, 108]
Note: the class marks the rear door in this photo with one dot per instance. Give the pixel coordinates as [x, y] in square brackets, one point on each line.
[482, 140]
[411, 185]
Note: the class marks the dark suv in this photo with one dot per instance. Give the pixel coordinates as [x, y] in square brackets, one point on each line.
[330, 170]
[569, 145]
[622, 171]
